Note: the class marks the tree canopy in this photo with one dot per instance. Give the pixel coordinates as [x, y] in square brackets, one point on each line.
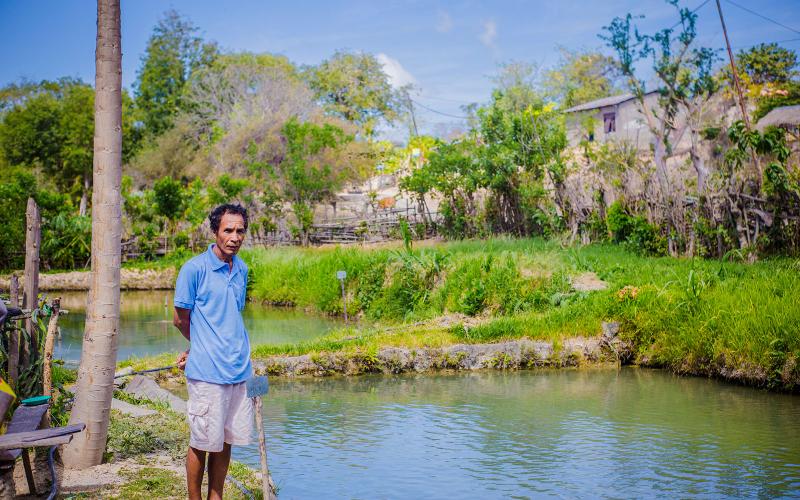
[353, 86]
[173, 53]
[768, 63]
[581, 76]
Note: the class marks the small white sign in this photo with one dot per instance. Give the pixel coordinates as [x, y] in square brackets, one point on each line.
[340, 275]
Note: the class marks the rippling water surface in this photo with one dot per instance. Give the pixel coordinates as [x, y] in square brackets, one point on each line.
[587, 433]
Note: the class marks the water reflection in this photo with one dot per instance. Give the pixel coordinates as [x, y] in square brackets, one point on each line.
[146, 325]
[587, 433]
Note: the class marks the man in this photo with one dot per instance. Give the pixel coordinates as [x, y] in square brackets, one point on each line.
[209, 297]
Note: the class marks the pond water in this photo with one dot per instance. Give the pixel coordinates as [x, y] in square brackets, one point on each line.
[608, 433]
[146, 325]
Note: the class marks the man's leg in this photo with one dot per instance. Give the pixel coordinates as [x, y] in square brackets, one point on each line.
[217, 470]
[195, 466]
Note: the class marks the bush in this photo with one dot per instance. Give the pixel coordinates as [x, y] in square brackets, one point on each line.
[633, 231]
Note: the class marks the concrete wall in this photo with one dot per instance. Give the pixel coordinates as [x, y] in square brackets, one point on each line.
[630, 124]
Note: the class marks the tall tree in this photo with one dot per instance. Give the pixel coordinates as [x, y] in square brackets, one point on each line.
[581, 76]
[173, 52]
[95, 383]
[314, 165]
[685, 83]
[49, 126]
[353, 86]
[768, 63]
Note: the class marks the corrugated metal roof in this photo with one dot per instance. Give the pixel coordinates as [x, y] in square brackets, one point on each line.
[785, 115]
[601, 103]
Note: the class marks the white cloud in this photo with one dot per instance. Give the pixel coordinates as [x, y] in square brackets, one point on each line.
[489, 33]
[444, 23]
[398, 75]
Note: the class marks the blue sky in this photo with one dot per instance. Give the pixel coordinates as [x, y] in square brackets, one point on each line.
[448, 49]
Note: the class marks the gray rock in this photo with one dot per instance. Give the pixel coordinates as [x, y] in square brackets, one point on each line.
[145, 387]
[129, 409]
[610, 330]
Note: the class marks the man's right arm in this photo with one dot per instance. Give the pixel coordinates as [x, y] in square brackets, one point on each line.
[182, 319]
[185, 292]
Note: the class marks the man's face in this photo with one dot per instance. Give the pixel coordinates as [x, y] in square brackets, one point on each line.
[230, 235]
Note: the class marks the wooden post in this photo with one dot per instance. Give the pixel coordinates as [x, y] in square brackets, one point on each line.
[33, 239]
[13, 341]
[47, 367]
[266, 481]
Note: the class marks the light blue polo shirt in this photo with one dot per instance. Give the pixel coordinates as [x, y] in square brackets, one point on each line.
[220, 346]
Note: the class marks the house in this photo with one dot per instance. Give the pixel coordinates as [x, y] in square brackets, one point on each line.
[785, 117]
[610, 118]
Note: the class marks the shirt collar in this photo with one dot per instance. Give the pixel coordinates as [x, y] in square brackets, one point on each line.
[216, 263]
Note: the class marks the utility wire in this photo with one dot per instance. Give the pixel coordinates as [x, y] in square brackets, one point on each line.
[438, 112]
[762, 16]
[693, 11]
[424, 96]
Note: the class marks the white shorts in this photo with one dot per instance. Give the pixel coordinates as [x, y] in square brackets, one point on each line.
[218, 414]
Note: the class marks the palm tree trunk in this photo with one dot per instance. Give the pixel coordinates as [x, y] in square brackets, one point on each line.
[99, 354]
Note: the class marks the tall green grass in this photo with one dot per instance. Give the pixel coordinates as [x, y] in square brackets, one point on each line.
[691, 315]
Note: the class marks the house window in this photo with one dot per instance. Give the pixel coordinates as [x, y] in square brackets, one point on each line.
[609, 122]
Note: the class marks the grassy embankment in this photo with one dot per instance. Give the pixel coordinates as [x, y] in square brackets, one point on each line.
[731, 319]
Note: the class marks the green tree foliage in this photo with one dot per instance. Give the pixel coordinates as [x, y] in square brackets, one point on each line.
[353, 86]
[768, 63]
[49, 126]
[16, 186]
[522, 140]
[169, 198]
[788, 95]
[241, 100]
[581, 76]
[173, 53]
[516, 146]
[685, 82]
[65, 236]
[781, 182]
[454, 171]
[311, 170]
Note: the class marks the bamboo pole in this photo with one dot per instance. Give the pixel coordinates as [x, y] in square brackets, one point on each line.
[33, 238]
[49, 343]
[13, 341]
[266, 480]
[738, 87]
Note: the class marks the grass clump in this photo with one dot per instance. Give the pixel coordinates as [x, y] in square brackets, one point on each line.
[151, 482]
[164, 431]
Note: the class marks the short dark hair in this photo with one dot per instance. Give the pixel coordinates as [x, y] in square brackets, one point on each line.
[216, 215]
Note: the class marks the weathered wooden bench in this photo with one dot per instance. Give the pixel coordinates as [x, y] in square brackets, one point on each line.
[23, 432]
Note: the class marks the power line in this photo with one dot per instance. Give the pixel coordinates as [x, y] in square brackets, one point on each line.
[776, 41]
[693, 11]
[444, 99]
[762, 16]
[438, 112]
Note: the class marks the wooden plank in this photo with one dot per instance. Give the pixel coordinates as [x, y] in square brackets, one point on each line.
[27, 439]
[26, 418]
[46, 442]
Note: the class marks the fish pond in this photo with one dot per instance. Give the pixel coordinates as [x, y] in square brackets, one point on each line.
[588, 433]
[585, 433]
[146, 325]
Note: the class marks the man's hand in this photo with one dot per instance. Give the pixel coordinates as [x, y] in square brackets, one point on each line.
[182, 358]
